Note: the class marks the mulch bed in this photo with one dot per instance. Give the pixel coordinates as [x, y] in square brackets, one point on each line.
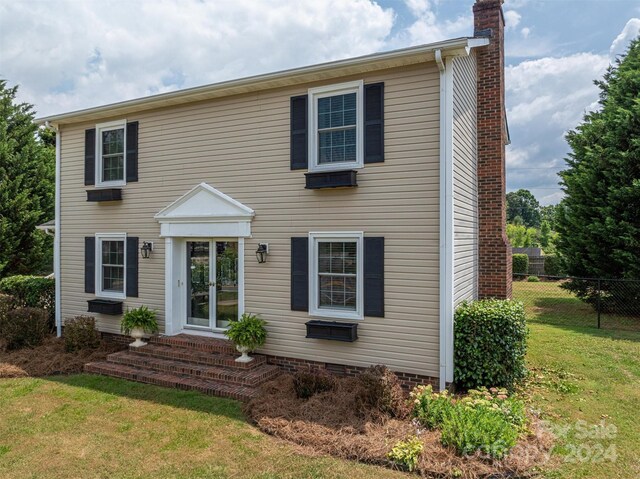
[50, 358]
[335, 423]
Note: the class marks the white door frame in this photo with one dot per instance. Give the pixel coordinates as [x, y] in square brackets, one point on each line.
[175, 286]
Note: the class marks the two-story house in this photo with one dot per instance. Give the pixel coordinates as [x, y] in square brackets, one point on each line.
[351, 204]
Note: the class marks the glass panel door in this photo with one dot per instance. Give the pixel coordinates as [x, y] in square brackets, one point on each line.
[199, 284]
[226, 295]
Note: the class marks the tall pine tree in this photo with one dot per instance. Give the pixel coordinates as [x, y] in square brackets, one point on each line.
[27, 187]
[599, 219]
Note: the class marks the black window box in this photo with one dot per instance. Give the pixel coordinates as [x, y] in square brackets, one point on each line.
[331, 179]
[332, 330]
[106, 194]
[105, 306]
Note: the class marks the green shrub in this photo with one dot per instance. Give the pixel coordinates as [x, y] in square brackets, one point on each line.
[24, 327]
[470, 429]
[533, 279]
[308, 383]
[520, 263]
[382, 391]
[32, 292]
[7, 303]
[490, 343]
[430, 408]
[142, 317]
[81, 333]
[248, 331]
[553, 265]
[406, 453]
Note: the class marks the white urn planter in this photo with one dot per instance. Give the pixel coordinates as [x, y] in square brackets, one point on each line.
[245, 358]
[137, 334]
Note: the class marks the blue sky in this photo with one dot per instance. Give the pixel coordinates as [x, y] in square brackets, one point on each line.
[73, 54]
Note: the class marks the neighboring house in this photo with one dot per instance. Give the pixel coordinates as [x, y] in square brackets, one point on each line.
[376, 184]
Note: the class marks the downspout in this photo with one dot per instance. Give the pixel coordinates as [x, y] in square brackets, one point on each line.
[56, 238]
[446, 220]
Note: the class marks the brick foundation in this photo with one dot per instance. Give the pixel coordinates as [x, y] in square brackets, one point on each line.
[196, 348]
[494, 248]
[291, 365]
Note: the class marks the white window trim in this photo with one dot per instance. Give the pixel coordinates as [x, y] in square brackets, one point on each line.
[314, 299]
[112, 125]
[356, 87]
[99, 292]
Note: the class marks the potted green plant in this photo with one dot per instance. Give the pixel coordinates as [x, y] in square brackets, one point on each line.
[136, 322]
[247, 333]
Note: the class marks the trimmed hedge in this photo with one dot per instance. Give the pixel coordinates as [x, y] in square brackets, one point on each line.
[520, 263]
[32, 292]
[490, 343]
[80, 333]
[24, 327]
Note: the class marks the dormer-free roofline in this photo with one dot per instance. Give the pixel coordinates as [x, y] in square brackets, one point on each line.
[322, 71]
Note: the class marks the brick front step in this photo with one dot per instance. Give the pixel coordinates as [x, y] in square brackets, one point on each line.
[196, 343]
[246, 377]
[212, 358]
[211, 387]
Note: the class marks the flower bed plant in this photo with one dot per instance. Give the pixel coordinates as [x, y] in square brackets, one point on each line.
[489, 421]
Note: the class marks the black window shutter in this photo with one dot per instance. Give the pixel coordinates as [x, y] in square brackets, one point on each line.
[132, 266]
[89, 264]
[299, 135]
[374, 276]
[374, 123]
[90, 156]
[132, 151]
[300, 274]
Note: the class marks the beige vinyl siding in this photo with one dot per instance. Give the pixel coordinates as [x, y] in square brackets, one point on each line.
[240, 145]
[465, 189]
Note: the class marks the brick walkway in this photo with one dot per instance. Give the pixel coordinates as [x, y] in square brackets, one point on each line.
[189, 362]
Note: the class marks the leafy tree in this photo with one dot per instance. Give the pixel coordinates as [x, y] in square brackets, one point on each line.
[27, 187]
[549, 214]
[522, 203]
[599, 219]
[522, 237]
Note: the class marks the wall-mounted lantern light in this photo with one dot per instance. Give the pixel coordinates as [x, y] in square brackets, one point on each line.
[262, 252]
[146, 249]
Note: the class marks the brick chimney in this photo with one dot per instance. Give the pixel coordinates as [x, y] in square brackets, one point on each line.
[494, 248]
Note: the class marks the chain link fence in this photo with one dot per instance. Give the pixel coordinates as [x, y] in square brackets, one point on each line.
[570, 301]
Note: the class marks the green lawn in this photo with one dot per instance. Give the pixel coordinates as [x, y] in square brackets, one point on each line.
[86, 426]
[584, 374]
[96, 427]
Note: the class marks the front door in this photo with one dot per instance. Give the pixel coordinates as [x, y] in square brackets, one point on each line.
[212, 284]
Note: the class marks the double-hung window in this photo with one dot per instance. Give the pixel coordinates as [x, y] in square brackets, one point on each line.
[111, 150]
[335, 274]
[336, 120]
[110, 265]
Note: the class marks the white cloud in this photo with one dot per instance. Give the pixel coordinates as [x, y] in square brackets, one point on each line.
[427, 28]
[511, 19]
[525, 32]
[69, 54]
[628, 33]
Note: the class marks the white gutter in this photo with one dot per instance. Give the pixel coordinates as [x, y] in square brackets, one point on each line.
[446, 219]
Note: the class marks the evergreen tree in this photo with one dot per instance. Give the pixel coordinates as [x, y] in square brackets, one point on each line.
[27, 187]
[599, 219]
